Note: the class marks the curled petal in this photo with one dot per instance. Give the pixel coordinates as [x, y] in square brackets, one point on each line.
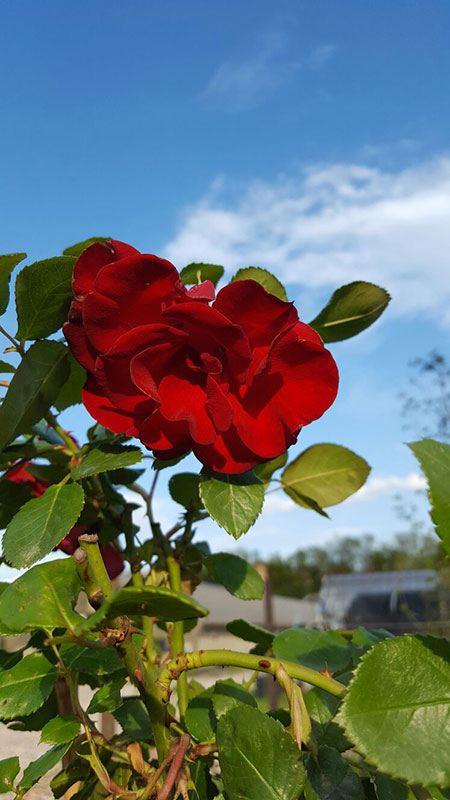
[91, 261]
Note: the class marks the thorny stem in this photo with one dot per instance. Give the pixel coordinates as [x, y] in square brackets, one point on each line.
[89, 543]
[53, 422]
[177, 762]
[178, 636]
[18, 346]
[231, 658]
[147, 624]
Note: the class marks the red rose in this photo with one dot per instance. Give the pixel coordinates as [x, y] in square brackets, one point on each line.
[112, 558]
[234, 381]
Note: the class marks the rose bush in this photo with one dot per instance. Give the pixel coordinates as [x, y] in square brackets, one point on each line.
[113, 560]
[233, 379]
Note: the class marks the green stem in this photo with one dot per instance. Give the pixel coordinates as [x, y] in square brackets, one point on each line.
[53, 422]
[150, 695]
[147, 624]
[19, 347]
[178, 635]
[231, 658]
[89, 543]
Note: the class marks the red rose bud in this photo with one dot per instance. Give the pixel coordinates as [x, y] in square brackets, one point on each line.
[20, 474]
[234, 381]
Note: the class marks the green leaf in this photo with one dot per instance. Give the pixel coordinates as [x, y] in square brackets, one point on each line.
[12, 497]
[332, 778]
[397, 709]
[44, 597]
[264, 277]
[233, 501]
[77, 249]
[250, 632]
[436, 794]
[197, 273]
[265, 471]
[37, 719]
[238, 577]
[42, 765]
[41, 524]
[5, 367]
[434, 458]
[183, 489]
[98, 661]
[125, 476]
[60, 730]
[388, 789]
[105, 457]
[7, 264]
[322, 708]
[325, 473]
[34, 387]
[133, 718]
[43, 297]
[108, 697]
[151, 601]
[70, 393]
[351, 309]
[258, 759]
[229, 694]
[9, 770]
[313, 648]
[200, 718]
[25, 687]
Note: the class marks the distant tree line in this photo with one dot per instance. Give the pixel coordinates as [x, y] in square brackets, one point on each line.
[302, 572]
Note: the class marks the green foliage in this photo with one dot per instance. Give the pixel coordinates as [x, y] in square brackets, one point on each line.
[183, 489]
[250, 632]
[258, 758]
[313, 648]
[233, 501]
[95, 661]
[332, 778]
[388, 789]
[351, 309]
[34, 387]
[322, 707]
[133, 719]
[229, 694]
[197, 273]
[77, 249]
[238, 577]
[70, 392]
[264, 277]
[28, 603]
[397, 709]
[152, 601]
[265, 471]
[434, 458]
[200, 719]
[60, 730]
[42, 765]
[5, 367]
[43, 296]
[325, 474]
[7, 264]
[9, 770]
[26, 686]
[12, 497]
[108, 697]
[105, 457]
[41, 524]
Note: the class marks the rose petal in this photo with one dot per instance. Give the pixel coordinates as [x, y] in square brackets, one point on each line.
[104, 411]
[95, 257]
[262, 315]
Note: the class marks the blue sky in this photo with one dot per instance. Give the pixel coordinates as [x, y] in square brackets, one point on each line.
[310, 138]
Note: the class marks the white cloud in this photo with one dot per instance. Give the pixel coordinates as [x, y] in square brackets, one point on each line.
[240, 84]
[320, 55]
[388, 484]
[331, 224]
[237, 85]
[278, 502]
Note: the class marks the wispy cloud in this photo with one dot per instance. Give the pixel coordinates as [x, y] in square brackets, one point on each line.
[332, 224]
[241, 84]
[384, 485]
[320, 55]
